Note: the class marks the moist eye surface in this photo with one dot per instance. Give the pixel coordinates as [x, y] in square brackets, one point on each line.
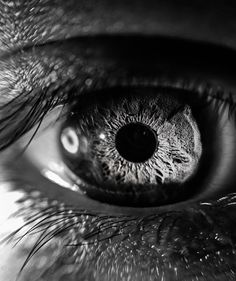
[140, 148]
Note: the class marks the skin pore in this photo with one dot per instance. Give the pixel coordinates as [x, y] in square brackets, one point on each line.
[169, 246]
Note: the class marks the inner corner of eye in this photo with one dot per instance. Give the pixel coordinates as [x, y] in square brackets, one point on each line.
[141, 148]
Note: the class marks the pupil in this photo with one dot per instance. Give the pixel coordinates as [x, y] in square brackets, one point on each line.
[136, 142]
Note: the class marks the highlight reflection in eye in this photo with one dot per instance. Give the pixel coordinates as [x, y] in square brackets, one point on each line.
[151, 141]
[138, 142]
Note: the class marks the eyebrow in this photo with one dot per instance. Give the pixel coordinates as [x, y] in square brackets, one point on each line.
[28, 23]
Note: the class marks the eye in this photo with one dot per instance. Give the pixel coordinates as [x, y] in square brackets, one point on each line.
[135, 148]
[183, 108]
[138, 146]
[170, 215]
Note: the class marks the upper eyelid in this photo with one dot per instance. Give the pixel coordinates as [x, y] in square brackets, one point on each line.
[52, 86]
[17, 120]
[41, 65]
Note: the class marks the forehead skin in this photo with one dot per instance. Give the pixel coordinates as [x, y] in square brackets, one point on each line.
[26, 23]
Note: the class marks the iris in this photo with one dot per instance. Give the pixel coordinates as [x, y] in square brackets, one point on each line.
[136, 149]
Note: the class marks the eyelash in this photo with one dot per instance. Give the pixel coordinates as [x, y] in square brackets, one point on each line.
[53, 221]
[40, 102]
[58, 220]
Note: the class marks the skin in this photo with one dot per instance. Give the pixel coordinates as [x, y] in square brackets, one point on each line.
[40, 22]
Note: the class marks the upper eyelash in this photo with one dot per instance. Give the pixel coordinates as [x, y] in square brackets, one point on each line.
[38, 106]
[40, 102]
[226, 100]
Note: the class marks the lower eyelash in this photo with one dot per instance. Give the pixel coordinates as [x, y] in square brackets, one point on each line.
[81, 232]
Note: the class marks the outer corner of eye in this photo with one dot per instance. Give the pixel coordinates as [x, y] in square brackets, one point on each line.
[138, 151]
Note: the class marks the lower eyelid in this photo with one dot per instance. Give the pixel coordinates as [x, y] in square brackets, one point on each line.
[189, 238]
[197, 236]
